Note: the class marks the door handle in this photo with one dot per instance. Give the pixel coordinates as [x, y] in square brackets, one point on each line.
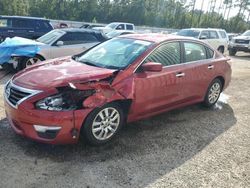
[180, 74]
[210, 66]
[31, 31]
[10, 31]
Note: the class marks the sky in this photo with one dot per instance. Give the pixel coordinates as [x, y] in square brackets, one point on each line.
[233, 11]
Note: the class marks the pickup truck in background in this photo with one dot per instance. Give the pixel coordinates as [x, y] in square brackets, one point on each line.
[116, 26]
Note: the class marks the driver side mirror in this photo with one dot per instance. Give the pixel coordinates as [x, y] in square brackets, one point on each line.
[152, 67]
[59, 43]
[203, 37]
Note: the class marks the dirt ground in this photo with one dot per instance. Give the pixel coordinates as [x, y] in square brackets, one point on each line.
[188, 147]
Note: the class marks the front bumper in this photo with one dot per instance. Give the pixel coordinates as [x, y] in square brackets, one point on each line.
[239, 47]
[23, 119]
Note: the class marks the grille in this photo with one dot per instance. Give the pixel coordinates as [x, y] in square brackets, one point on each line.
[242, 41]
[15, 95]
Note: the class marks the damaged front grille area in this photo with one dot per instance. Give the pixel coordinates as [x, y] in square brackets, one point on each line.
[15, 94]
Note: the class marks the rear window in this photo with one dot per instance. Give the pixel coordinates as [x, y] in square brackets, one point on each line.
[223, 34]
[194, 52]
[4, 23]
[210, 53]
[129, 27]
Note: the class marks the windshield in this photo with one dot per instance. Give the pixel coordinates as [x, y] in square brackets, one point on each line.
[51, 37]
[189, 33]
[112, 25]
[247, 33]
[116, 53]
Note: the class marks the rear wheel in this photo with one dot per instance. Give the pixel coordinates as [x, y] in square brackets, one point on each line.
[232, 52]
[213, 93]
[103, 124]
[221, 49]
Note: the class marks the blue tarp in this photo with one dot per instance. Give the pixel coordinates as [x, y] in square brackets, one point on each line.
[18, 46]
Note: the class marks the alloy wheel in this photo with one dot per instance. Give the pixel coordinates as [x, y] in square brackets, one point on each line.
[214, 93]
[32, 61]
[106, 123]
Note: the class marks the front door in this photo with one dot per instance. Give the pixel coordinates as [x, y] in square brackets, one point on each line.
[155, 91]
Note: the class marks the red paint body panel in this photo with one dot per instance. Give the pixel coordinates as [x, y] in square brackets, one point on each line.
[150, 92]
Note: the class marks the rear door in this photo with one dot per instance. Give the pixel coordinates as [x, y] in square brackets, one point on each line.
[73, 43]
[199, 67]
[155, 91]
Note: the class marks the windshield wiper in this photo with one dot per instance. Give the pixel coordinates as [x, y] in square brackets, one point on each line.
[89, 63]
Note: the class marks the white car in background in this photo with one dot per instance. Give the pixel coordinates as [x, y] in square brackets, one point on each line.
[116, 26]
[240, 43]
[117, 33]
[59, 43]
[217, 38]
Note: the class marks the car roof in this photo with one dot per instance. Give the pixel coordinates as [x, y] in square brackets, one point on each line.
[217, 29]
[85, 30]
[155, 37]
[23, 17]
[121, 23]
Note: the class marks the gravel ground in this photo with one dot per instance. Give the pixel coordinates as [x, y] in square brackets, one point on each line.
[188, 147]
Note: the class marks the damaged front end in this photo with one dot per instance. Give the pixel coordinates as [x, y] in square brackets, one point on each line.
[80, 95]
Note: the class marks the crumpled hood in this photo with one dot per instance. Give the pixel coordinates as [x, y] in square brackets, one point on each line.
[59, 72]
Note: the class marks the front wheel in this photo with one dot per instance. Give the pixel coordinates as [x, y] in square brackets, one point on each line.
[232, 52]
[103, 124]
[28, 61]
[213, 93]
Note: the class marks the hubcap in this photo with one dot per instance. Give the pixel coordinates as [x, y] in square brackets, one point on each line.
[105, 123]
[32, 61]
[214, 93]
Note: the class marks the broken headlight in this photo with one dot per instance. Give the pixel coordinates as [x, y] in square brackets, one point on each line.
[65, 100]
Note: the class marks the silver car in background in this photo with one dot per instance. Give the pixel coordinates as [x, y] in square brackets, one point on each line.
[61, 42]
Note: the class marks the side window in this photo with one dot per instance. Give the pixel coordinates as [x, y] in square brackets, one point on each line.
[129, 27]
[120, 27]
[204, 35]
[194, 52]
[77, 38]
[41, 25]
[223, 34]
[21, 23]
[210, 53]
[213, 35]
[166, 54]
[5, 22]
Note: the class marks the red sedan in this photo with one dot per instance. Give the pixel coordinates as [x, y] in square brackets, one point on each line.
[121, 80]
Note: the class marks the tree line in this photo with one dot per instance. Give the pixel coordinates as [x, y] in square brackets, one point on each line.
[160, 13]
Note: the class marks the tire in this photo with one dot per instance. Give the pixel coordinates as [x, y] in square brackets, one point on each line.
[232, 52]
[221, 49]
[28, 61]
[213, 93]
[97, 128]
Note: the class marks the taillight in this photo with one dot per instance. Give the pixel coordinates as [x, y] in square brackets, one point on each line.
[229, 61]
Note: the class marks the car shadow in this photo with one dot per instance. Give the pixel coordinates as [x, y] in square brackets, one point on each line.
[164, 142]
